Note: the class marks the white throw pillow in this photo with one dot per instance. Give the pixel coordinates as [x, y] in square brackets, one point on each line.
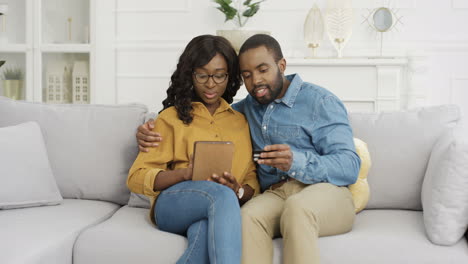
[445, 189]
[25, 173]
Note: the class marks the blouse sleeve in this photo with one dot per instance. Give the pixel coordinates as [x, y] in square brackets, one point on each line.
[147, 165]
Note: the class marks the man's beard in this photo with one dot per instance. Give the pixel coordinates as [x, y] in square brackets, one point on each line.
[274, 93]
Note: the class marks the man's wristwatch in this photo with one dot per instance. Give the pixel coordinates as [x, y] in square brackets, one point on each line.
[240, 193]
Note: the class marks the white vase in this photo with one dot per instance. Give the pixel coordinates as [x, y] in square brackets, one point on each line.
[237, 37]
[13, 89]
[339, 23]
[314, 29]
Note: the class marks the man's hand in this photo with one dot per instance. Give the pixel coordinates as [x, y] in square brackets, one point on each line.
[227, 180]
[279, 156]
[146, 137]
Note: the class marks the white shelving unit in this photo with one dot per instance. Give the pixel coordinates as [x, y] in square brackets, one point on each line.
[43, 33]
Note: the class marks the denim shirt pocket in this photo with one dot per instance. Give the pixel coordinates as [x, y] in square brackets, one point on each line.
[286, 132]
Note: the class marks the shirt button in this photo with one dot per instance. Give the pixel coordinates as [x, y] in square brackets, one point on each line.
[293, 173]
[264, 127]
[271, 106]
[216, 135]
[212, 122]
[282, 177]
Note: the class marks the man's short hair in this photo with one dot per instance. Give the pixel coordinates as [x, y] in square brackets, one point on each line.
[267, 41]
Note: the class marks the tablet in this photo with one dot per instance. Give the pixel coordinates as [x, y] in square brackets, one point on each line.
[211, 157]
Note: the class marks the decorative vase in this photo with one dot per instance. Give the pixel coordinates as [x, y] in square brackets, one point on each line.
[13, 89]
[314, 29]
[237, 37]
[339, 23]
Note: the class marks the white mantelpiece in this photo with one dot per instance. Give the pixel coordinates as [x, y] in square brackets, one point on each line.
[363, 84]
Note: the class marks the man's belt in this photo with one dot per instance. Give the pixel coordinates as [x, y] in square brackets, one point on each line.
[280, 183]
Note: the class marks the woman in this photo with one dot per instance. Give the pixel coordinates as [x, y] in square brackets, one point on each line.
[197, 109]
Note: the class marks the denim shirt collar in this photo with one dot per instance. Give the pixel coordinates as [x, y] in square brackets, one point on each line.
[294, 87]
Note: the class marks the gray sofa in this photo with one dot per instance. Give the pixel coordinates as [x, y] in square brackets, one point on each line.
[91, 147]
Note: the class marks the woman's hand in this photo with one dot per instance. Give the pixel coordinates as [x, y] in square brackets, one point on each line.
[227, 180]
[146, 137]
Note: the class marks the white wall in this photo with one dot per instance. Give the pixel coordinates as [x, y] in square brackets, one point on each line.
[147, 36]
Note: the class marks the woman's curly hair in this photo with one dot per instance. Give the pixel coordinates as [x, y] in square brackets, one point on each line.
[198, 53]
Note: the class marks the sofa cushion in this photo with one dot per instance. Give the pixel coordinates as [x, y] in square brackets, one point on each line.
[360, 189]
[128, 237]
[445, 189]
[385, 237]
[90, 147]
[44, 235]
[378, 236]
[400, 144]
[25, 174]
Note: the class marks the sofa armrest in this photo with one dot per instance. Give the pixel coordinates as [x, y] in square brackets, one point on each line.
[445, 189]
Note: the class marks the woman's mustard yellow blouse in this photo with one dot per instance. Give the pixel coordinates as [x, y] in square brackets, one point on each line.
[174, 151]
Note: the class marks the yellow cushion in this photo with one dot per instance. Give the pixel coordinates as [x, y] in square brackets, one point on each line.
[360, 189]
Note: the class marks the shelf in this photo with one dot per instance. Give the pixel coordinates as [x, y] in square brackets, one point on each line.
[65, 21]
[348, 61]
[66, 48]
[14, 48]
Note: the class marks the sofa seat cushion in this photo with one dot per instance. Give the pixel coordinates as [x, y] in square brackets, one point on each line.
[386, 237]
[128, 237]
[47, 234]
[378, 236]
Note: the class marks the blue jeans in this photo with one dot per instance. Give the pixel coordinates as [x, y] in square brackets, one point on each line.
[209, 214]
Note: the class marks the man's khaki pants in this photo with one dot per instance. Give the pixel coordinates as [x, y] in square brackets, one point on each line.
[298, 212]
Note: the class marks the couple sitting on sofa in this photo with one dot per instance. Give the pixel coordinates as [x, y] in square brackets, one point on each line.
[310, 157]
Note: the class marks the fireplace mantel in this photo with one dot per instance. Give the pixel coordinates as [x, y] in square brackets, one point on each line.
[363, 84]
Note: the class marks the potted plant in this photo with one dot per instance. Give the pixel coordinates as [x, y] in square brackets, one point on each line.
[13, 83]
[239, 12]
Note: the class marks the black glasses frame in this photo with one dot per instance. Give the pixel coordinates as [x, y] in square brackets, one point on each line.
[209, 76]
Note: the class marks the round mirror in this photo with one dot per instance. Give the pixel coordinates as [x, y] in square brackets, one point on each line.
[383, 19]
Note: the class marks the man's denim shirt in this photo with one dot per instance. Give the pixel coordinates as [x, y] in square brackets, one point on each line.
[314, 123]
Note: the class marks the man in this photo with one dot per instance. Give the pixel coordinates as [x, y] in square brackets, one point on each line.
[308, 158]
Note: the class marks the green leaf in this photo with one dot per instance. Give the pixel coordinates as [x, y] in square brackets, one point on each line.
[224, 6]
[253, 9]
[229, 13]
[247, 2]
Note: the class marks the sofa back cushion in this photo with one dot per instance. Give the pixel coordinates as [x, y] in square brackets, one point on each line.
[400, 145]
[90, 147]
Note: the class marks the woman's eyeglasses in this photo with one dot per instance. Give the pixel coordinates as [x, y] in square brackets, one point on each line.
[218, 78]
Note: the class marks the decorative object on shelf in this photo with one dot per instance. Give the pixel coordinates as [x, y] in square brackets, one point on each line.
[58, 84]
[69, 21]
[13, 83]
[339, 23]
[80, 80]
[3, 13]
[382, 20]
[314, 29]
[240, 15]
